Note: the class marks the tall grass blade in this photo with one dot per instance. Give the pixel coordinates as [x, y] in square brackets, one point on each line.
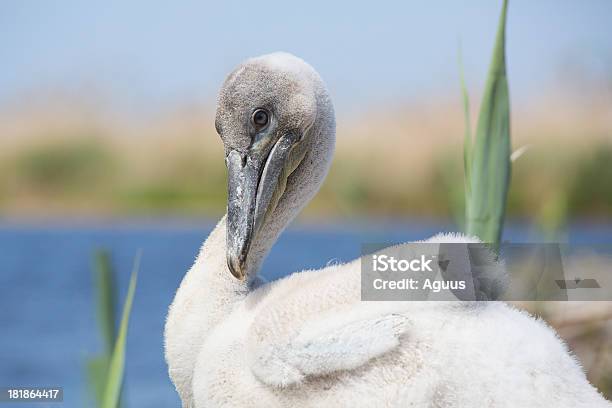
[106, 298]
[97, 371]
[97, 367]
[114, 380]
[490, 163]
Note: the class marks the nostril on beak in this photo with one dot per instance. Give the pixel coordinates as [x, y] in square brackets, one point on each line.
[234, 153]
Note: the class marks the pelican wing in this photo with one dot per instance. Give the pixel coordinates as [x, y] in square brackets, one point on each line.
[325, 346]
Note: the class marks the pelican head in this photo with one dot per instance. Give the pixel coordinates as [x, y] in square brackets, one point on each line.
[276, 121]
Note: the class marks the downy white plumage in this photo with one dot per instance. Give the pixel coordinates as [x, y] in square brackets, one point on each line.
[307, 340]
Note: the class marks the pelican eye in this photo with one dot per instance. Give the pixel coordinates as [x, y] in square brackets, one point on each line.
[260, 119]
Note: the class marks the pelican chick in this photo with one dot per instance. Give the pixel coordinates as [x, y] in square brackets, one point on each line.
[307, 340]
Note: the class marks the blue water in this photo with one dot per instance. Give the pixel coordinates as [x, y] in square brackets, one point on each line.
[48, 323]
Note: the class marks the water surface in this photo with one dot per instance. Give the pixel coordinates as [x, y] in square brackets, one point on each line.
[47, 311]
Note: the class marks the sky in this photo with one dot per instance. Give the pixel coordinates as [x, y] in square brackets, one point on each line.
[151, 53]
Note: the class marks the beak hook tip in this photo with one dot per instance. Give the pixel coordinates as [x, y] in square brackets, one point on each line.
[235, 269]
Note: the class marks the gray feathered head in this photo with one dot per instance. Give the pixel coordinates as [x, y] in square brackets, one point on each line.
[276, 121]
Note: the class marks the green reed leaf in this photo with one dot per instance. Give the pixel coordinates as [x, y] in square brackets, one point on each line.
[490, 169]
[114, 381]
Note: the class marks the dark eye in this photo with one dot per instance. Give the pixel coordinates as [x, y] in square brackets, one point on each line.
[260, 118]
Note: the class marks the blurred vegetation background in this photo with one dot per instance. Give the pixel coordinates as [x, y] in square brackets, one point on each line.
[108, 109]
[69, 156]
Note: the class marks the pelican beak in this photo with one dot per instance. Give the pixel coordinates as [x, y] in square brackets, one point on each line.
[256, 181]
